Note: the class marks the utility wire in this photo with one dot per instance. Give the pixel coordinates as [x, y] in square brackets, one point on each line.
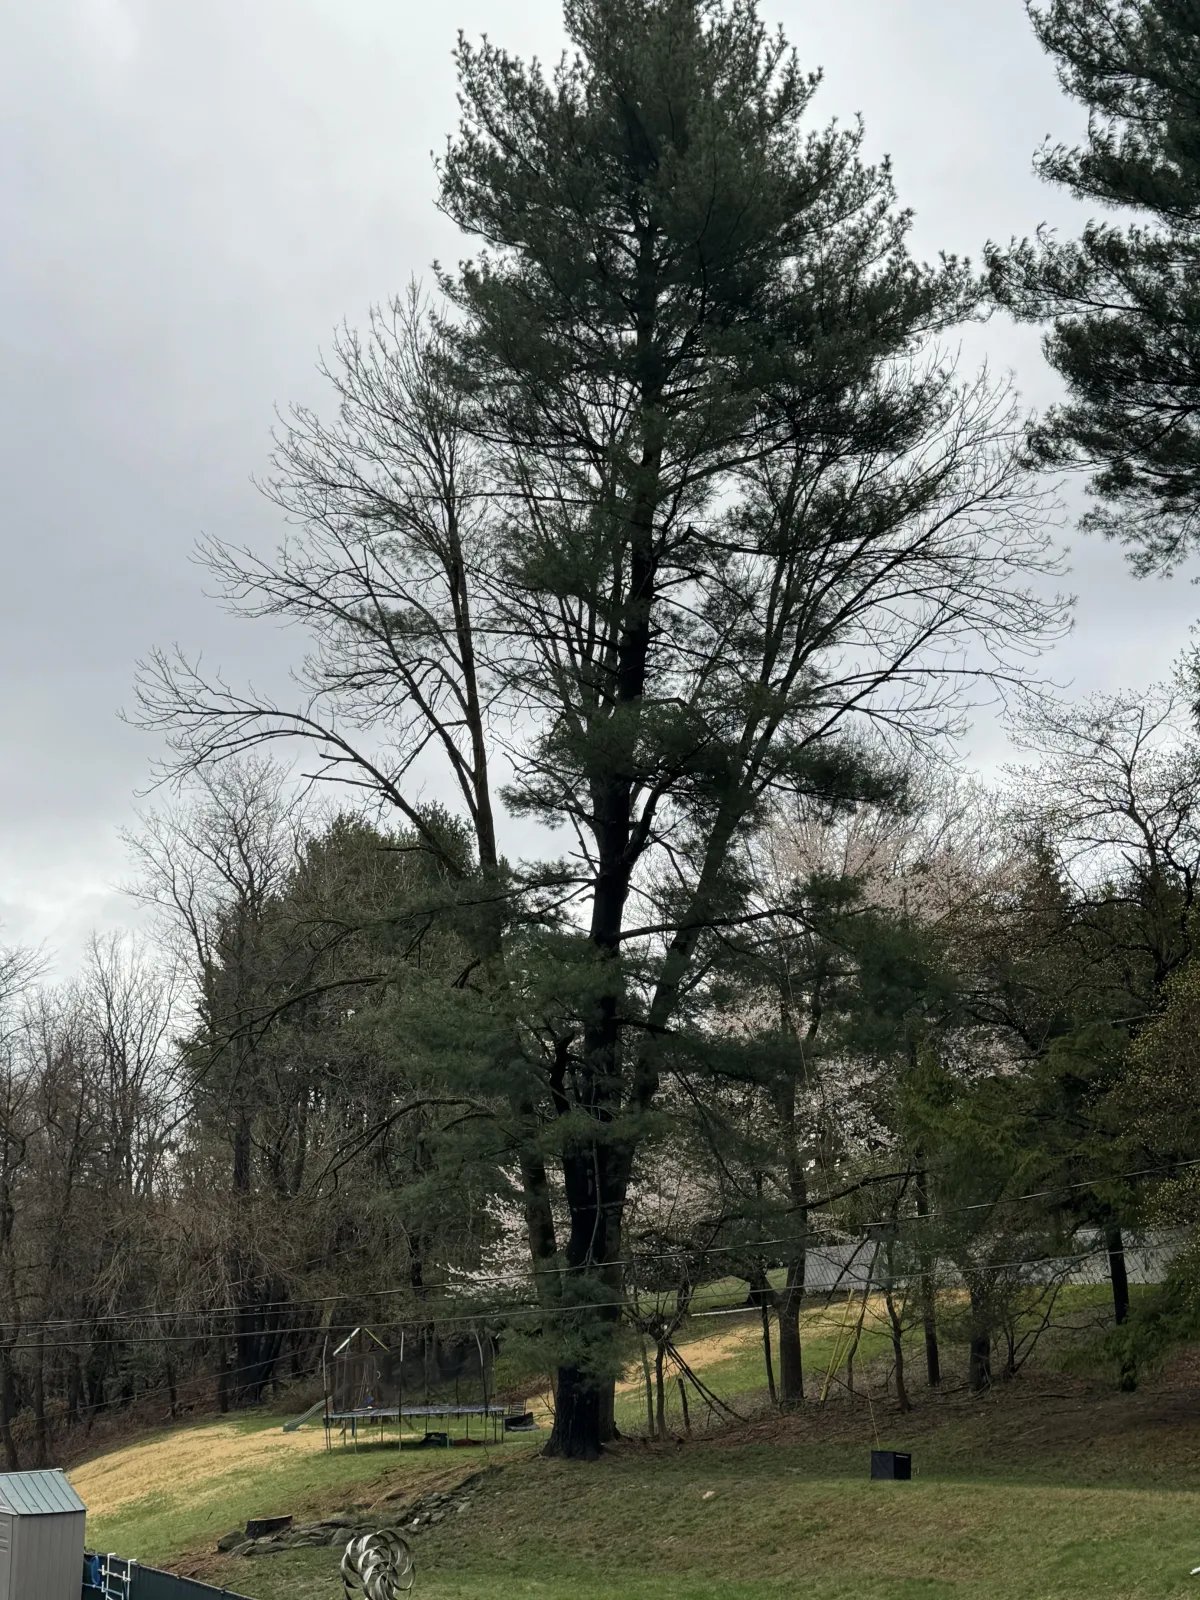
[502, 1313]
[733, 1252]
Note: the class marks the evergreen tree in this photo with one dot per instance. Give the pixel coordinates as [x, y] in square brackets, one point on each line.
[692, 318]
[728, 509]
[1124, 299]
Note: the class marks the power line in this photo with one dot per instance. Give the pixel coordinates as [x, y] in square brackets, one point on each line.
[733, 1252]
[502, 1313]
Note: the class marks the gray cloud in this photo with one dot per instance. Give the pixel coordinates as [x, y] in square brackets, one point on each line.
[192, 195]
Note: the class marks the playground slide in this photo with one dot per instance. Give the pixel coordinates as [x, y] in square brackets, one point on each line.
[290, 1427]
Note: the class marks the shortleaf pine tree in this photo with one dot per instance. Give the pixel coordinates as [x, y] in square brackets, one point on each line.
[730, 514]
[1124, 298]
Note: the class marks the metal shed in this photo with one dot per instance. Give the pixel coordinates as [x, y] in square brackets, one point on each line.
[41, 1537]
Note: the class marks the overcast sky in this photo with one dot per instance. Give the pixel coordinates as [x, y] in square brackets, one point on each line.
[192, 194]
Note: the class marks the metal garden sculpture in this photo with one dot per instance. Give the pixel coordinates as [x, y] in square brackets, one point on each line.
[378, 1566]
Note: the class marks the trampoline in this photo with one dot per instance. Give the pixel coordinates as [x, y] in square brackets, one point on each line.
[369, 1387]
[369, 1418]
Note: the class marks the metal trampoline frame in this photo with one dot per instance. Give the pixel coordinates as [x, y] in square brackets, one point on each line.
[348, 1420]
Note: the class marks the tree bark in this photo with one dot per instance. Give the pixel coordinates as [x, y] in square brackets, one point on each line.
[1115, 1245]
[897, 1350]
[608, 1411]
[933, 1359]
[649, 1389]
[576, 1431]
[979, 1366]
[933, 1356]
[595, 1182]
[41, 1435]
[258, 1339]
[766, 1339]
[95, 1376]
[979, 1371]
[683, 1402]
[8, 1410]
[222, 1378]
[660, 1397]
[75, 1391]
[791, 1353]
[1119, 1274]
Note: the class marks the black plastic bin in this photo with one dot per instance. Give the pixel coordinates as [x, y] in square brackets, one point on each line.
[891, 1464]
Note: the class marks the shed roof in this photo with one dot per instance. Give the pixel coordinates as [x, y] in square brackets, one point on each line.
[37, 1494]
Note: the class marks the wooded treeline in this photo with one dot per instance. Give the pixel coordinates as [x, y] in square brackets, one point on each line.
[928, 1033]
[625, 923]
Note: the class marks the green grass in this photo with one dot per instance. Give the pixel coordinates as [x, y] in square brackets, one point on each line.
[1029, 1495]
[783, 1519]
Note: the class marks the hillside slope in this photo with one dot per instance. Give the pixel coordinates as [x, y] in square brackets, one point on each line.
[1048, 1488]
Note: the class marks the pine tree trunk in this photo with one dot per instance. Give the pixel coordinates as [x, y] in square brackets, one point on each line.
[897, 1329]
[979, 1369]
[791, 1356]
[95, 1377]
[576, 1432]
[539, 1214]
[791, 1353]
[933, 1357]
[1115, 1245]
[1119, 1274]
[595, 1181]
[979, 1366]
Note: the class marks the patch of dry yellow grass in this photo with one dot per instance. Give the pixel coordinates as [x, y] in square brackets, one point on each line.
[702, 1351]
[193, 1462]
[706, 1349]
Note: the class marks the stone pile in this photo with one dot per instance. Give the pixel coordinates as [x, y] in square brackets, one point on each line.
[411, 1518]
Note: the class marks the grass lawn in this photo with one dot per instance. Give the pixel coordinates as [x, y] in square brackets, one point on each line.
[770, 1519]
[1051, 1488]
[180, 1490]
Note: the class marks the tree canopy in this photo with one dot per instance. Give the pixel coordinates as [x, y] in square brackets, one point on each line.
[1122, 298]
